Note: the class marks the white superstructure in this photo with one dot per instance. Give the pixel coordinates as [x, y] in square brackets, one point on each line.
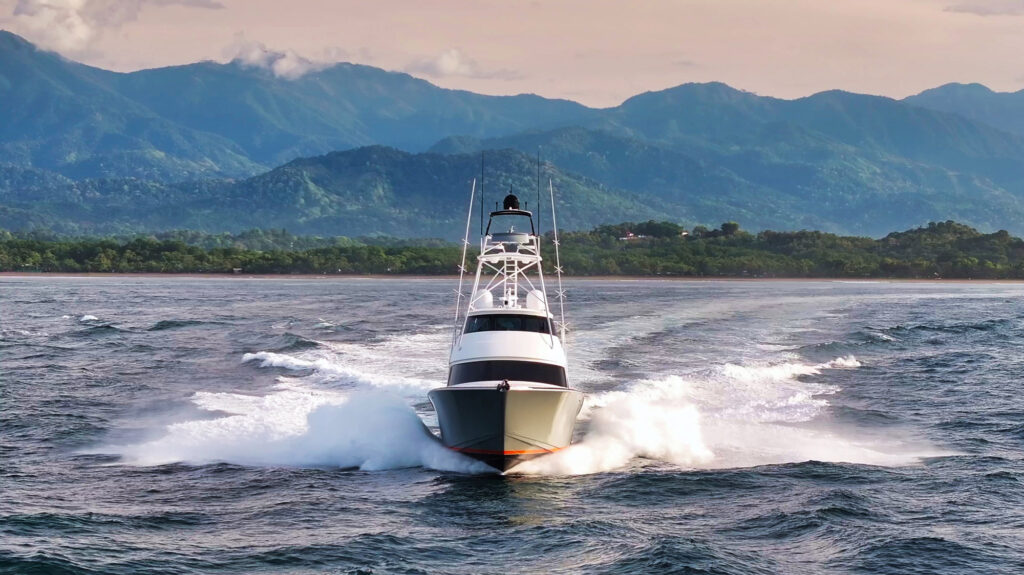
[508, 289]
[508, 397]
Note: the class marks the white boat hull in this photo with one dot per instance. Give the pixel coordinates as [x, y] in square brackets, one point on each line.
[503, 427]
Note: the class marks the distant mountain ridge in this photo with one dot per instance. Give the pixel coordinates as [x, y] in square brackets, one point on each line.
[209, 119]
[66, 117]
[360, 192]
[85, 149]
[1002, 110]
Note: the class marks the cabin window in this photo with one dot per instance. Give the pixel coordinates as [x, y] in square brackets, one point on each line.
[511, 370]
[508, 322]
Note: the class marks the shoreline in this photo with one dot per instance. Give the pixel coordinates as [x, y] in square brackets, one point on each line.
[228, 276]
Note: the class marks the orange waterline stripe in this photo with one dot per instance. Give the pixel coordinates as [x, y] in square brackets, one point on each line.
[500, 452]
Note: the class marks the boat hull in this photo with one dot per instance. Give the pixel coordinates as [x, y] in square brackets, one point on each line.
[503, 428]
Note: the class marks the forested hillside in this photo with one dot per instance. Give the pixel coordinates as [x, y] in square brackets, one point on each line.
[660, 249]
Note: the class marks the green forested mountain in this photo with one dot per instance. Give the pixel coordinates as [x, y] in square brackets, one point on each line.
[221, 147]
[384, 190]
[715, 121]
[66, 117]
[275, 120]
[657, 172]
[783, 175]
[372, 190]
[211, 119]
[1003, 110]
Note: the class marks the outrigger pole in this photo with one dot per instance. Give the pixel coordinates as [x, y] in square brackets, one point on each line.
[481, 194]
[558, 265]
[462, 266]
[539, 211]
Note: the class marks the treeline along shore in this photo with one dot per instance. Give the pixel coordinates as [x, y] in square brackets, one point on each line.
[939, 250]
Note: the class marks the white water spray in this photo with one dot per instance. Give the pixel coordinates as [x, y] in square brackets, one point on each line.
[365, 430]
[334, 414]
[337, 414]
[731, 416]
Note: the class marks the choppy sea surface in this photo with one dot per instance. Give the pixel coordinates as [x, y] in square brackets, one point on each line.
[152, 426]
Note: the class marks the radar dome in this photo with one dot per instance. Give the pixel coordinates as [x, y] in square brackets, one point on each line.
[483, 299]
[535, 300]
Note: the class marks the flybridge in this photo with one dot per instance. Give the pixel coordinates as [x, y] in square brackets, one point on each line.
[509, 274]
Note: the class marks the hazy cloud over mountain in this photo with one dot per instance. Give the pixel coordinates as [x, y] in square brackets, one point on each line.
[72, 25]
[283, 63]
[453, 62]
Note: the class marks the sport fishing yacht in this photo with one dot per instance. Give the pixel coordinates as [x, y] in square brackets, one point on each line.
[508, 397]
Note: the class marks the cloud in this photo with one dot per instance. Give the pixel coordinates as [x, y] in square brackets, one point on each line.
[453, 62]
[988, 7]
[73, 25]
[282, 63]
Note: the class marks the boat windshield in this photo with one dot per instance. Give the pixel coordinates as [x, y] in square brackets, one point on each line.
[508, 322]
[503, 369]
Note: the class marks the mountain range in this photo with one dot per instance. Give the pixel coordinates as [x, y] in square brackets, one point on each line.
[355, 150]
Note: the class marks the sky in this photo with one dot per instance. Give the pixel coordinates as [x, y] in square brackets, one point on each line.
[598, 52]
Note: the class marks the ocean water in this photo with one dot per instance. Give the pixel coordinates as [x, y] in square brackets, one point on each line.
[172, 425]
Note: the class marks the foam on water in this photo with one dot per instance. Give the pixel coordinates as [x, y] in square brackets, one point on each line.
[415, 355]
[336, 415]
[297, 427]
[329, 371]
[730, 416]
[350, 405]
[323, 324]
[408, 365]
[5, 333]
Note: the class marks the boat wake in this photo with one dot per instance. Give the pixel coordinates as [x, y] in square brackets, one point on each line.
[325, 369]
[324, 412]
[330, 413]
[297, 427]
[731, 416]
